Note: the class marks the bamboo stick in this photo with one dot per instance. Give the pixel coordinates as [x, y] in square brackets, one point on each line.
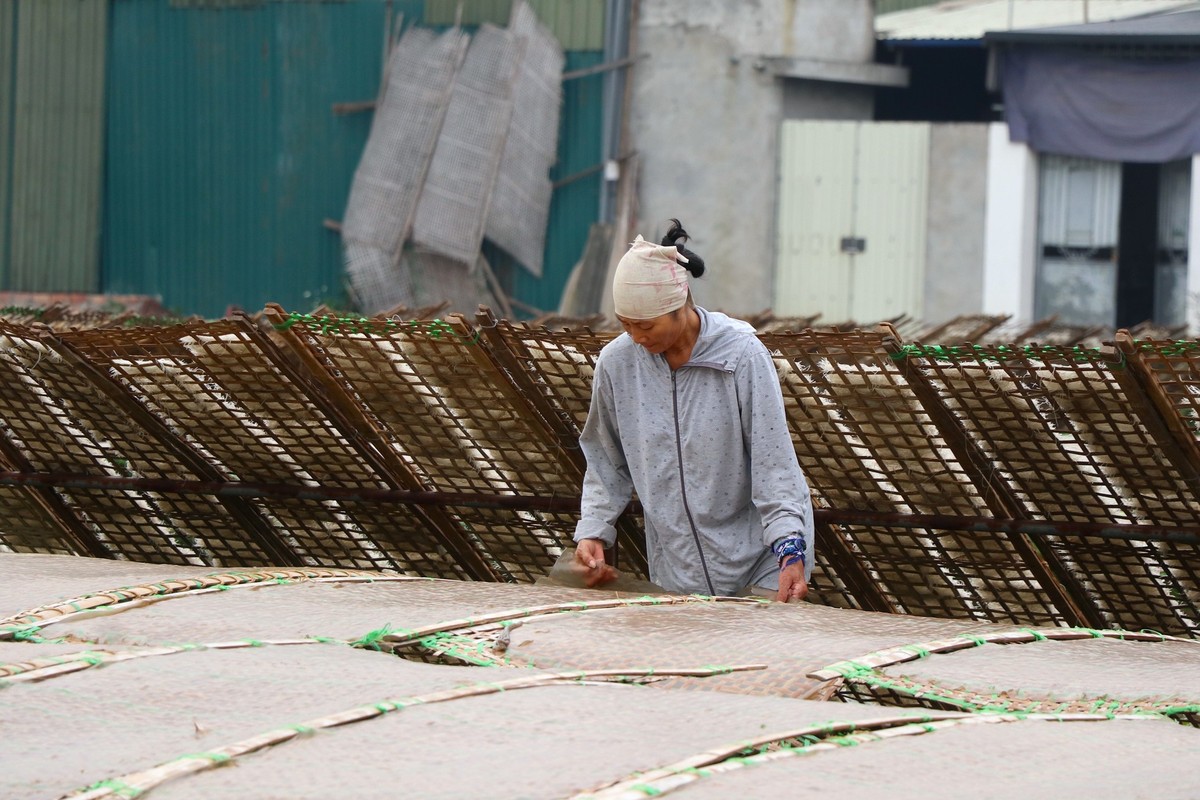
[135, 783]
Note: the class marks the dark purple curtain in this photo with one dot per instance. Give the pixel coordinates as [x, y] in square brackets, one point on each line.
[1094, 106]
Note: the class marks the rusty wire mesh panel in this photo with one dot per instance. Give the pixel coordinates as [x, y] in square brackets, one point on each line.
[460, 426]
[25, 526]
[554, 369]
[1175, 368]
[196, 526]
[1068, 445]
[561, 363]
[216, 386]
[60, 423]
[866, 442]
[963, 328]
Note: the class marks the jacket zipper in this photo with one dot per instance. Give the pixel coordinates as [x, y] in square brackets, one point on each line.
[683, 486]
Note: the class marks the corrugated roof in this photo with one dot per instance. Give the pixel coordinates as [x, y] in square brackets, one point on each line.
[971, 19]
[1174, 28]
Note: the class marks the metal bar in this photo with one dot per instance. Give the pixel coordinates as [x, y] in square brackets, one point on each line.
[607, 66]
[882, 519]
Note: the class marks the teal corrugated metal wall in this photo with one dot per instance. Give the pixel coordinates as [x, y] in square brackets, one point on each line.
[577, 24]
[52, 103]
[224, 157]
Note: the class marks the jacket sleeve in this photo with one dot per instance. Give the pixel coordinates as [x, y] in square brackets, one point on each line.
[607, 486]
[778, 487]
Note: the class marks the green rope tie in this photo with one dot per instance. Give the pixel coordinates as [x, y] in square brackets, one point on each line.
[851, 670]
[917, 650]
[1037, 637]
[646, 789]
[255, 642]
[718, 670]
[978, 641]
[303, 730]
[1161, 636]
[370, 641]
[216, 758]
[119, 788]
[92, 660]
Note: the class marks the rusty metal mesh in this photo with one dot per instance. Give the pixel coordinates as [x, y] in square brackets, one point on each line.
[224, 392]
[448, 448]
[866, 441]
[1069, 435]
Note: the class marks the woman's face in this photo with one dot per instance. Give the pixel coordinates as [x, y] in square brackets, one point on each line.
[659, 334]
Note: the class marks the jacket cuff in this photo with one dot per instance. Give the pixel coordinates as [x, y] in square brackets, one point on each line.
[595, 529]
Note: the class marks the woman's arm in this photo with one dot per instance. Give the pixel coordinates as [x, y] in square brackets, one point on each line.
[779, 489]
[607, 486]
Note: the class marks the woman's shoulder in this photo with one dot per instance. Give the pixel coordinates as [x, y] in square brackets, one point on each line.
[619, 350]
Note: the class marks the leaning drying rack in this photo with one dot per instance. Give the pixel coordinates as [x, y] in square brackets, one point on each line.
[1041, 484]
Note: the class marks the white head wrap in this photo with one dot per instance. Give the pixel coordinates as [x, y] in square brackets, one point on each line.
[649, 281]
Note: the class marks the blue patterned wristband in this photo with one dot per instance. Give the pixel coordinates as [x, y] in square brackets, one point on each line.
[789, 550]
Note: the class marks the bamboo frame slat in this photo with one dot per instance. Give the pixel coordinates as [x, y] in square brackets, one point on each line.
[144, 780]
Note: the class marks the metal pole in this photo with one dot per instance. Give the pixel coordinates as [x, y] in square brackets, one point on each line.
[1177, 534]
[616, 46]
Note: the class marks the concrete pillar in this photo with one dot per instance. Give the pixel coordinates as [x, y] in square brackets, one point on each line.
[1010, 233]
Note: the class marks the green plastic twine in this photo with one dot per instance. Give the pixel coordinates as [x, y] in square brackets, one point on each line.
[117, 787]
[371, 640]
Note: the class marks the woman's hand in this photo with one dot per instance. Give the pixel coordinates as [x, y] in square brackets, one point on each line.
[589, 554]
[792, 586]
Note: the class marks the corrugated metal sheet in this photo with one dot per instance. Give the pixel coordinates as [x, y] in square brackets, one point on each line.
[54, 111]
[224, 157]
[858, 180]
[8, 48]
[577, 24]
[970, 19]
[575, 205]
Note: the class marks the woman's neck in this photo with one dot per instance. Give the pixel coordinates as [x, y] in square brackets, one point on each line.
[680, 353]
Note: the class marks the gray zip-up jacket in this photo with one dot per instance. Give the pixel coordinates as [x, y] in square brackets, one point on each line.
[708, 450]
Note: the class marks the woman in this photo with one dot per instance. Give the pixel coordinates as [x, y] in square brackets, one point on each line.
[686, 409]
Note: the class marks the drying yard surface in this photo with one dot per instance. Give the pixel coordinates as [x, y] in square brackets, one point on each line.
[120, 679]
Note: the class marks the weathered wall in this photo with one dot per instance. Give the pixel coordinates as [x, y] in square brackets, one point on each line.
[954, 242]
[705, 118]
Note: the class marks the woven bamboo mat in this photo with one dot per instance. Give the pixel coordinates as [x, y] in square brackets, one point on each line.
[791, 640]
[293, 676]
[1082, 671]
[1054, 670]
[1030, 758]
[126, 716]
